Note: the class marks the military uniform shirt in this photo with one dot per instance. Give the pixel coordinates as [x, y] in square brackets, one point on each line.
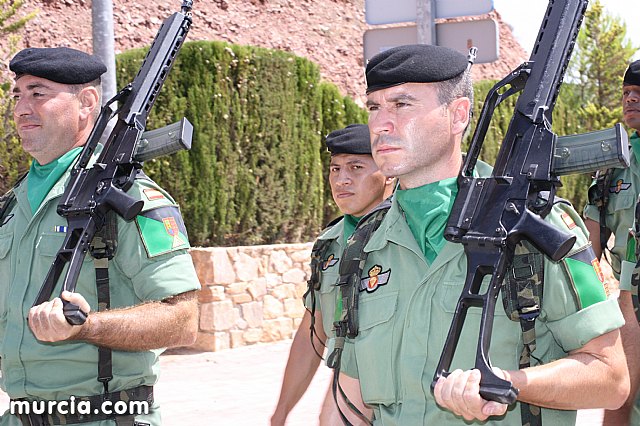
[405, 318]
[151, 263]
[326, 297]
[623, 195]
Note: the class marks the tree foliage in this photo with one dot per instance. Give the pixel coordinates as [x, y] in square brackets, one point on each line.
[598, 66]
[13, 161]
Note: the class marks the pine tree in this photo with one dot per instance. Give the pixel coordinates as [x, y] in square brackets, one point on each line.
[599, 63]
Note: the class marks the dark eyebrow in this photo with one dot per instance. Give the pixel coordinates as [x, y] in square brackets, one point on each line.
[396, 98]
[31, 87]
[402, 97]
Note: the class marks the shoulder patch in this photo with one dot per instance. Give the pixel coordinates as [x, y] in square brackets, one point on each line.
[587, 277]
[162, 230]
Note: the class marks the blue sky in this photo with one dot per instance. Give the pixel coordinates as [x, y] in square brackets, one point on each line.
[525, 18]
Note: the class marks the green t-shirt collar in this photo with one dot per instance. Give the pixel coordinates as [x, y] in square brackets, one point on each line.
[350, 223]
[42, 178]
[426, 209]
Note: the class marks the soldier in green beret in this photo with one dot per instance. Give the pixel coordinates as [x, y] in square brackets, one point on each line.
[83, 374]
[357, 187]
[620, 188]
[419, 99]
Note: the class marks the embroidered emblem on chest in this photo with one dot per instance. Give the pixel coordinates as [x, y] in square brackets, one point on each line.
[375, 279]
[329, 262]
[620, 185]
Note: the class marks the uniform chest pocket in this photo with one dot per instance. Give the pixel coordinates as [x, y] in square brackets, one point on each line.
[375, 348]
[327, 303]
[5, 270]
[622, 201]
[451, 291]
[49, 243]
[5, 245]
[505, 335]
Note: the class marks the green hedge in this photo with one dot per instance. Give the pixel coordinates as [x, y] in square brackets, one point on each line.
[254, 174]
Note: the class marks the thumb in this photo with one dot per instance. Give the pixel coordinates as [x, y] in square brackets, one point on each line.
[493, 408]
[76, 299]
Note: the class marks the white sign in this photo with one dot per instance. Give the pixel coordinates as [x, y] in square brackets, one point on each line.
[457, 35]
[393, 11]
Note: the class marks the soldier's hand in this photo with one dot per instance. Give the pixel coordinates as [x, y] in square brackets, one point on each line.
[48, 323]
[460, 394]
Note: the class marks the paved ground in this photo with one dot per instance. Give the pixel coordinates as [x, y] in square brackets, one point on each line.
[240, 387]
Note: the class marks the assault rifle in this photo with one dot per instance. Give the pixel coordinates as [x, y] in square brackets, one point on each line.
[94, 190]
[491, 215]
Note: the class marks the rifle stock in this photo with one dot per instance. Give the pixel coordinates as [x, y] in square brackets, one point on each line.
[94, 190]
[491, 215]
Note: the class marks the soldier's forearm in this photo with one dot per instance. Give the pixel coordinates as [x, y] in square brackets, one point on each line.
[152, 325]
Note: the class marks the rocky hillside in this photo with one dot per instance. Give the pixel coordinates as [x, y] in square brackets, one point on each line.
[328, 32]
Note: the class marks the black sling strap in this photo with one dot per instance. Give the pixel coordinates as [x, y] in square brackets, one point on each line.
[352, 264]
[103, 248]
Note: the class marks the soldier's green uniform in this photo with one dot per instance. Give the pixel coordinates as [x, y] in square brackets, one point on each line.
[620, 210]
[325, 298]
[407, 304]
[151, 263]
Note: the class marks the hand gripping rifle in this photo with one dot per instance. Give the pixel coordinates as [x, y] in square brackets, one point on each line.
[491, 215]
[94, 190]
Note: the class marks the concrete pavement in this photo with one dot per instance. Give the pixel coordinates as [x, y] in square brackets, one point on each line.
[238, 387]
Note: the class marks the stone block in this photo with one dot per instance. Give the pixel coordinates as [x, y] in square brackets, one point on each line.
[293, 308]
[217, 316]
[237, 338]
[276, 330]
[223, 272]
[236, 288]
[301, 289]
[273, 280]
[279, 262]
[203, 263]
[257, 288]
[284, 291]
[204, 342]
[302, 255]
[252, 313]
[241, 298]
[294, 276]
[212, 293]
[247, 267]
[273, 308]
[252, 336]
[211, 342]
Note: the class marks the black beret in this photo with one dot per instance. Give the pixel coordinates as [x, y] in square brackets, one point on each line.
[414, 63]
[632, 76]
[353, 139]
[59, 64]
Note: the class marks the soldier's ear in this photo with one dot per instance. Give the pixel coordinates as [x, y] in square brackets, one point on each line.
[459, 110]
[89, 101]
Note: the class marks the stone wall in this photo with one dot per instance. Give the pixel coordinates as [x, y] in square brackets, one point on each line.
[254, 294]
[250, 294]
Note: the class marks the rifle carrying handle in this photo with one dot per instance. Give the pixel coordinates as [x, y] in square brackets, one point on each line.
[492, 388]
[73, 313]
